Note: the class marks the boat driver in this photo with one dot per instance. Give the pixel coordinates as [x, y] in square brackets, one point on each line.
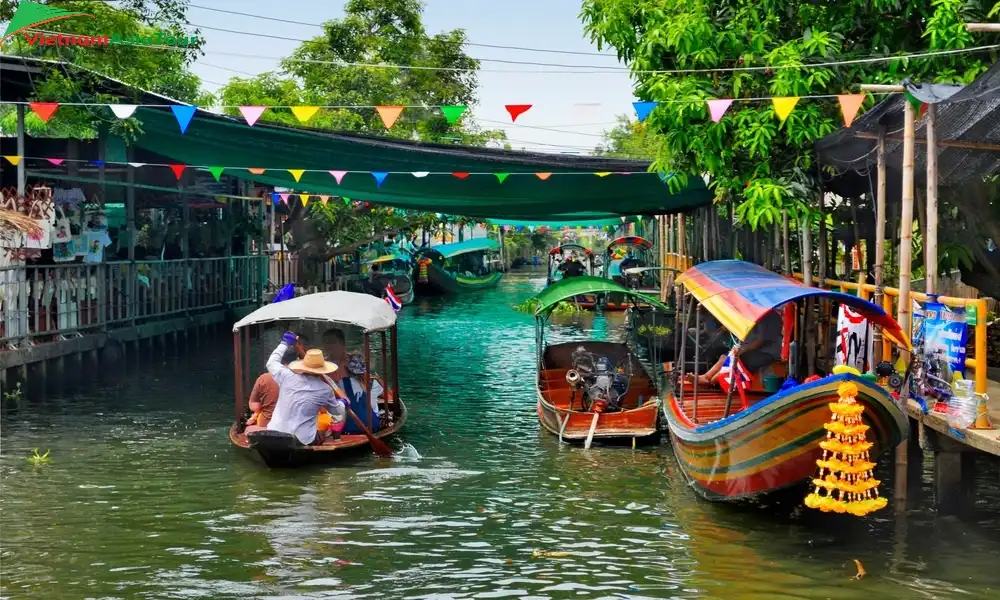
[761, 349]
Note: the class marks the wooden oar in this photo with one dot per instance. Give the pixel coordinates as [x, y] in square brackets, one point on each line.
[378, 446]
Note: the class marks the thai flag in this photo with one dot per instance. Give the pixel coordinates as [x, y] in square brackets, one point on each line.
[391, 298]
[742, 378]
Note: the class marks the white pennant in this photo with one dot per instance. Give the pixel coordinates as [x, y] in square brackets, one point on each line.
[137, 165]
[421, 173]
[122, 111]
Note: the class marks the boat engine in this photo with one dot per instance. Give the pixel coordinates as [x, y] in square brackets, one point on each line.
[603, 383]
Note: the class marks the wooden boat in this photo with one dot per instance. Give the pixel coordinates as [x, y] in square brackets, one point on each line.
[773, 442]
[569, 251]
[459, 267]
[397, 270]
[375, 319]
[592, 390]
[638, 253]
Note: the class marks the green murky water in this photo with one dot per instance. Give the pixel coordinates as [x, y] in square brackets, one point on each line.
[145, 499]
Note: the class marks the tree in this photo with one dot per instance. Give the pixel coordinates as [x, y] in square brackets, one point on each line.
[630, 139]
[760, 162]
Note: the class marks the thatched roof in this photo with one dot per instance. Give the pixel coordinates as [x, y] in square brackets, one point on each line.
[15, 220]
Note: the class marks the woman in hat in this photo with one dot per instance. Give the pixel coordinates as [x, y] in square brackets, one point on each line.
[303, 390]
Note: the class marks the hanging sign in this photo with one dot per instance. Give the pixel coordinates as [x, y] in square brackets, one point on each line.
[945, 335]
[854, 340]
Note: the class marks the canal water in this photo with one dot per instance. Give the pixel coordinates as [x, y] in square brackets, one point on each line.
[144, 498]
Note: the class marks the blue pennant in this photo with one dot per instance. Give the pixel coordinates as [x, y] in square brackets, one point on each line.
[642, 109]
[379, 177]
[99, 163]
[275, 197]
[183, 114]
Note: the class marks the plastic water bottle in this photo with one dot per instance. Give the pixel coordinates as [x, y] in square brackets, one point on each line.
[962, 406]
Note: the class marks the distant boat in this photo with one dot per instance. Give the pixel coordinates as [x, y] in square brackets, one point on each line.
[460, 267]
[560, 257]
[638, 252]
[396, 271]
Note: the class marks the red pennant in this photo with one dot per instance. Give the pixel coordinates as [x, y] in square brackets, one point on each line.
[44, 110]
[178, 170]
[460, 175]
[516, 110]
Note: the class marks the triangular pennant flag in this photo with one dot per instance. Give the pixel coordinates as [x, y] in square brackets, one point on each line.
[255, 171]
[99, 163]
[460, 174]
[849, 106]
[389, 114]
[183, 115]
[338, 175]
[501, 176]
[717, 108]
[419, 174]
[44, 110]
[274, 198]
[642, 109]
[122, 111]
[379, 177]
[305, 200]
[912, 100]
[324, 199]
[602, 174]
[296, 173]
[56, 161]
[516, 110]
[137, 165]
[453, 112]
[543, 176]
[347, 201]
[284, 198]
[304, 113]
[178, 170]
[252, 113]
[216, 171]
[923, 111]
[783, 106]
[14, 160]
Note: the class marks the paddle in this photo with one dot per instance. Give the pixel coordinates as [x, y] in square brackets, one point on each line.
[378, 446]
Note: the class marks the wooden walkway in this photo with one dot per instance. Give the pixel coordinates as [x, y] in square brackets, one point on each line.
[984, 440]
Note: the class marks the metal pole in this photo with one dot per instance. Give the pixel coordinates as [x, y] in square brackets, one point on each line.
[697, 357]
[21, 175]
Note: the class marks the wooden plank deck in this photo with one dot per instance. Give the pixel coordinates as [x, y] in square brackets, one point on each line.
[984, 440]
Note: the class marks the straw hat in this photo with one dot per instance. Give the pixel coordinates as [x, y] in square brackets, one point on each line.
[314, 363]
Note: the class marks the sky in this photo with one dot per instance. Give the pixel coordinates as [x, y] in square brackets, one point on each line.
[569, 112]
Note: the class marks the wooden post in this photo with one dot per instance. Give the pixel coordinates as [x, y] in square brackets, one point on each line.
[880, 219]
[807, 278]
[681, 237]
[785, 253]
[931, 234]
[982, 27]
[905, 248]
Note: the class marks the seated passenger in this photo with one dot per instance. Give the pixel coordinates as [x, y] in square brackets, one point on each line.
[761, 349]
[302, 392]
[264, 396]
[361, 402]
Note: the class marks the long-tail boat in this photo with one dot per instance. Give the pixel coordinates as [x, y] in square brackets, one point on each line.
[588, 389]
[396, 271]
[629, 253]
[376, 321]
[563, 256]
[460, 267]
[771, 441]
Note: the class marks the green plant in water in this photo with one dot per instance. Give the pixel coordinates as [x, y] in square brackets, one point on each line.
[13, 395]
[653, 330]
[566, 308]
[528, 306]
[39, 459]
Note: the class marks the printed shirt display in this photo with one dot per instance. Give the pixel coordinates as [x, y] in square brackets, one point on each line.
[96, 242]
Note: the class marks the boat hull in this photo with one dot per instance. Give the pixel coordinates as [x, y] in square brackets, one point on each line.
[442, 282]
[773, 444]
[281, 456]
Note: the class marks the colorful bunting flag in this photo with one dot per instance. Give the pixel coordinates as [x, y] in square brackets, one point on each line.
[453, 112]
[717, 108]
[99, 163]
[783, 106]
[44, 110]
[849, 106]
[183, 114]
[421, 174]
[379, 177]
[14, 160]
[216, 172]
[284, 198]
[123, 111]
[543, 176]
[274, 198]
[136, 165]
[642, 109]
[324, 199]
[516, 110]
[501, 176]
[255, 171]
[460, 174]
[603, 174]
[347, 201]
[55, 161]
[296, 173]
[304, 198]
[304, 113]
[338, 175]
[178, 170]
[252, 113]
[389, 114]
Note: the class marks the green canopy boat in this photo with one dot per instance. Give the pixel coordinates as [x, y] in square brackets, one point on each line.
[393, 271]
[460, 267]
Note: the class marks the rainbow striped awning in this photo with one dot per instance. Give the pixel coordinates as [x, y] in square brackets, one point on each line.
[739, 294]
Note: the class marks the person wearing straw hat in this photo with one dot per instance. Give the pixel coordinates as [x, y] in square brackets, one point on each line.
[302, 391]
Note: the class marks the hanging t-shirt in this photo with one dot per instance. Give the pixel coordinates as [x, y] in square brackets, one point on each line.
[97, 241]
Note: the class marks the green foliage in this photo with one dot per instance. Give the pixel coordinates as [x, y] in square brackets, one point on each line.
[752, 156]
[630, 139]
[528, 306]
[563, 308]
[37, 459]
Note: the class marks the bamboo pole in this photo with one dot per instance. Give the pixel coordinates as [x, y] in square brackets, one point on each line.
[705, 222]
[982, 27]
[940, 143]
[880, 218]
[785, 253]
[883, 89]
[931, 220]
[681, 236]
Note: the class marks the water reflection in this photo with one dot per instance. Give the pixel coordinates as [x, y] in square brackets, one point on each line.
[144, 498]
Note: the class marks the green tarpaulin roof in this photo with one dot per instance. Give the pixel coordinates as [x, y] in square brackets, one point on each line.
[586, 284]
[613, 222]
[473, 245]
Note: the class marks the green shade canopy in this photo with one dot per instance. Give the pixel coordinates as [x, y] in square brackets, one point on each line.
[586, 284]
[614, 222]
[473, 245]
[386, 258]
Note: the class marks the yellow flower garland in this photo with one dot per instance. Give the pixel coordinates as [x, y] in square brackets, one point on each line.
[845, 483]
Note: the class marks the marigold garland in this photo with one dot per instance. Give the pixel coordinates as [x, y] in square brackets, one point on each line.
[845, 483]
